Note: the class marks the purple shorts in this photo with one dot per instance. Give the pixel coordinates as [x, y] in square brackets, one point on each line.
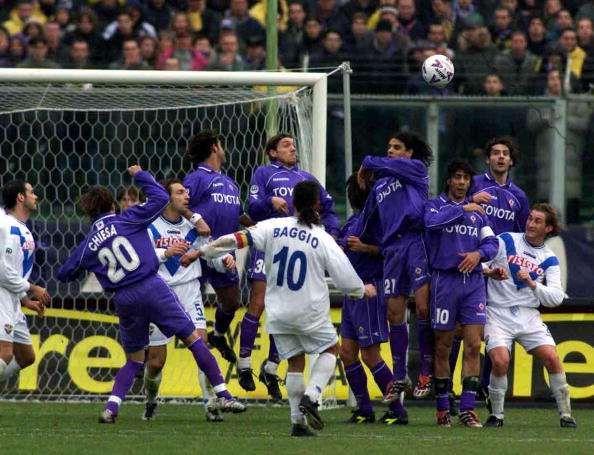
[405, 266]
[219, 280]
[150, 300]
[256, 271]
[456, 297]
[365, 320]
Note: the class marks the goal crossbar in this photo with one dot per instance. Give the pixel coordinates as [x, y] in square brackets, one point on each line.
[318, 82]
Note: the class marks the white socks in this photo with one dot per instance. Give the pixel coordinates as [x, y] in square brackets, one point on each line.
[497, 390]
[560, 391]
[320, 375]
[7, 371]
[270, 367]
[243, 363]
[295, 389]
[151, 386]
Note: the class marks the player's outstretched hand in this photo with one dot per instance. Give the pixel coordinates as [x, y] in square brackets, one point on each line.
[34, 305]
[134, 169]
[40, 294]
[481, 198]
[355, 244]
[177, 250]
[364, 177]
[498, 273]
[280, 205]
[370, 291]
[470, 261]
[229, 262]
[473, 207]
[188, 258]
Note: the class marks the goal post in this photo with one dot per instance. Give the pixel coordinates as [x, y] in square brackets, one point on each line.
[64, 130]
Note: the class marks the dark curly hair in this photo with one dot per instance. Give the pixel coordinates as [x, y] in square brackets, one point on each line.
[200, 145]
[458, 165]
[97, 200]
[509, 142]
[412, 141]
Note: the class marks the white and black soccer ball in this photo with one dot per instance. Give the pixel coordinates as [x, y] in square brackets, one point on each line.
[438, 71]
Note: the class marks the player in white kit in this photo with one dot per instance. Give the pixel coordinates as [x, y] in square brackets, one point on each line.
[176, 241]
[533, 279]
[17, 252]
[297, 253]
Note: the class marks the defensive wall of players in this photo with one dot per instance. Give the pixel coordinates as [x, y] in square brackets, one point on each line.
[72, 360]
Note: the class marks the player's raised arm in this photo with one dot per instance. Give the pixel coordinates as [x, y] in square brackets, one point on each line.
[437, 217]
[407, 170]
[260, 205]
[72, 268]
[157, 198]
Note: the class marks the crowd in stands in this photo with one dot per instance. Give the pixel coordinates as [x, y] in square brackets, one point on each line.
[499, 47]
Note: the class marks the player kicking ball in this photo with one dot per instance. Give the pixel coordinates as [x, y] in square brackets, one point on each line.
[113, 249]
[176, 241]
[459, 238]
[297, 253]
[534, 279]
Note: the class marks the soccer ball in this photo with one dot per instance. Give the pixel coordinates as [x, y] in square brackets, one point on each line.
[438, 71]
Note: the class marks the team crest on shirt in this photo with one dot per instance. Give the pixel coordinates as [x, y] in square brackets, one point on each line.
[511, 203]
[254, 189]
[8, 328]
[481, 306]
[361, 330]
[8, 250]
[151, 329]
[418, 271]
[473, 218]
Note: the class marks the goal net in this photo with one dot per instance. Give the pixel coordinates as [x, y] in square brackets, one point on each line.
[65, 130]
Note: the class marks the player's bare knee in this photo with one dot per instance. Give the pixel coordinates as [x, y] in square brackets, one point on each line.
[24, 355]
[500, 361]
[6, 351]
[348, 355]
[371, 356]
[551, 362]
[334, 350]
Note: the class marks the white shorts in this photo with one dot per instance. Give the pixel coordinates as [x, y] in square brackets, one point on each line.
[522, 324]
[191, 299]
[13, 323]
[316, 342]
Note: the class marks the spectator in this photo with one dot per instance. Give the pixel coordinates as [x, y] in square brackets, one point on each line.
[37, 55]
[114, 39]
[237, 18]
[443, 14]
[537, 42]
[575, 54]
[149, 50]
[586, 10]
[107, 11]
[203, 20]
[517, 66]
[493, 85]
[375, 17]
[32, 30]
[360, 37]
[410, 25]
[556, 59]
[258, 12]
[203, 47]
[554, 85]
[158, 13]
[585, 34]
[86, 30]
[18, 49]
[463, 8]
[329, 15]
[383, 62]
[475, 58]
[79, 56]
[416, 85]
[185, 54]
[437, 37]
[501, 30]
[331, 54]
[365, 7]
[228, 58]
[5, 57]
[24, 12]
[180, 24]
[139, 26]
[563, 20]
[312, 39]
[551, 8]
[172, 64]
[131, 58]
[291, 40]
[64, 19]
[57, 51]
[255, 54]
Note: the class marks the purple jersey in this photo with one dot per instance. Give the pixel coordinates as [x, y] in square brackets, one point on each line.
[397, 199]
[368, 267]
[508, 209]
[216, 197]
[278, 180]
[451, 230]
[118, 248]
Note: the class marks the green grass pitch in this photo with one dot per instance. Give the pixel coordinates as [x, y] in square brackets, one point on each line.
[71, 428]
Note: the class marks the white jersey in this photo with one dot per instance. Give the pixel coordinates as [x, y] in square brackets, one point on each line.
[17, 253]
[296, 258]
[515, 254]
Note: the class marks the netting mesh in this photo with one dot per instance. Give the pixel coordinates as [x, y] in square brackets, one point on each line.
[63, 138]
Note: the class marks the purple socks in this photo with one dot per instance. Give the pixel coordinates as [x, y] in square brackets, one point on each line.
[123, 381]
[358, 382]
[208, 364]
[223, 320]
[399, 346]
[426, 346]
[247, 337]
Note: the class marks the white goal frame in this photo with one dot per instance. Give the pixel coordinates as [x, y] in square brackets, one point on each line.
[318, 82]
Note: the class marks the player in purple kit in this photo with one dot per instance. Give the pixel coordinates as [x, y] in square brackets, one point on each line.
[364, 324]
[396, 204]
[459, 238]
[216, 198]
[271, 196]
[113, 249]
